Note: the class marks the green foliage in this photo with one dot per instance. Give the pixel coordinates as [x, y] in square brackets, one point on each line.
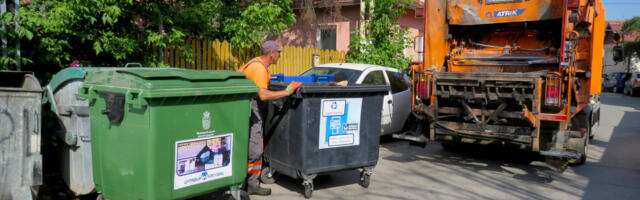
[628, 27]
[631, 49]
[13, 32]
[384, 40]
[114, 32]
[631, 25]
[257, 20]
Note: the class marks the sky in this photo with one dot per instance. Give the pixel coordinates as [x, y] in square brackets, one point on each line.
[621, 9]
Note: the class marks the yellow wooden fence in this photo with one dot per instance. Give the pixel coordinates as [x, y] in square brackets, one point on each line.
[216, 55]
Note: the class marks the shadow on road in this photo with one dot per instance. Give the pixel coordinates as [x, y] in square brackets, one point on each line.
[479, 164]
[616, 173]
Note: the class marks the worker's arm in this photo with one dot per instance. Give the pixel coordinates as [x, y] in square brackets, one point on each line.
[267, 95]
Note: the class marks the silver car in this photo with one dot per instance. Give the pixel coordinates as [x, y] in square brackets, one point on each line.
[396, 106]
[632, 85]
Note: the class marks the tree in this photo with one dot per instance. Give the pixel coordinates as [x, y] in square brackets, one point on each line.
[629, 27]
[384, 40]
[114, 32]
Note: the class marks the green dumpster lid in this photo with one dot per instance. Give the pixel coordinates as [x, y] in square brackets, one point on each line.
[169, 82]
[184, 74]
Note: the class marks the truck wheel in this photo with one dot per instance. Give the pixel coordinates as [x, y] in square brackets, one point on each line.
[449, 146]
[593, 130]
[582, 151]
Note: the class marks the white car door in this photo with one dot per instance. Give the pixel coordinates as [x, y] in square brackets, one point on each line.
[401, 99]
[377, 76]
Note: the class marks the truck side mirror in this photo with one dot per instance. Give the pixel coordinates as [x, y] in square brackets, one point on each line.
[618, 54]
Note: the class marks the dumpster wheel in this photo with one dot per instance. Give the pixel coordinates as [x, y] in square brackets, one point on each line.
[365, 179]
[308, 188]
[266, 176]
[238, 195]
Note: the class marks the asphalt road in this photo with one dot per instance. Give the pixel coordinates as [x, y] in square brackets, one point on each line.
[612, 170]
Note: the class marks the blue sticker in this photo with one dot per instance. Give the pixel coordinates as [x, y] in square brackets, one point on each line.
[339, 123]
[505, 13]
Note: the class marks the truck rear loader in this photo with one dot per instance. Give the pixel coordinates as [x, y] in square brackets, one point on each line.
[524, 73]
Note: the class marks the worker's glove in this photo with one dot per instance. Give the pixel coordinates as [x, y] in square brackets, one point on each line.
[291, 88]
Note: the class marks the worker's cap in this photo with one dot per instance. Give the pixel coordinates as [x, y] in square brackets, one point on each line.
[271, 45]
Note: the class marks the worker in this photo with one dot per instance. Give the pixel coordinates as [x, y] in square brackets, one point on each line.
[257, 69]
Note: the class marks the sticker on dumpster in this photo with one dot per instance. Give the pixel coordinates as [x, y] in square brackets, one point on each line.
[340, 122]
[201, 160]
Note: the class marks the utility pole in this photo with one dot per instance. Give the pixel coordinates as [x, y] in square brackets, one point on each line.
[365, 15]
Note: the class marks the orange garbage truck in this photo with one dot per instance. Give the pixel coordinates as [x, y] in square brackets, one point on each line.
[525, 73]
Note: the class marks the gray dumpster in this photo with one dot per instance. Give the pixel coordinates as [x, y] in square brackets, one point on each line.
[20, 158]
[72, 113]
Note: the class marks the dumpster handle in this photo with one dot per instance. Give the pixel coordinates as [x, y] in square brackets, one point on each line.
[132, 63]
[114, 106]
[36, 118]
[13, 127]
[85, 92]
[52, 99]
[134, 97]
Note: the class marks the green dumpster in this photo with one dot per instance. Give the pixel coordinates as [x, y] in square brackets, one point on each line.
[168, 133]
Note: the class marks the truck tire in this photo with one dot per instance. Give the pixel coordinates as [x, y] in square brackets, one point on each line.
[449, 146]
[582, 151]
[580, 122]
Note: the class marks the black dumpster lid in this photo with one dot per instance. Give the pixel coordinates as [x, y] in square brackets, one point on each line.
[308, 88]
[19, 81]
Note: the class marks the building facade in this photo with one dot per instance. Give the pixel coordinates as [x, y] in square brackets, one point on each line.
[329, 24]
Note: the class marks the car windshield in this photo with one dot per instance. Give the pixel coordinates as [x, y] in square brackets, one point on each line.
[340, 74]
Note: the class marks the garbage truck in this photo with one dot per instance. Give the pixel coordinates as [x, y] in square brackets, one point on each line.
[523, 73]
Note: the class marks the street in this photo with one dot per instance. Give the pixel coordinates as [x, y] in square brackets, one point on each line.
[612, 170]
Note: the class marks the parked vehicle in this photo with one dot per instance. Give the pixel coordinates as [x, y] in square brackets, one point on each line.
[616, 81]
[632, 84]
[396, 105]
[608, 81]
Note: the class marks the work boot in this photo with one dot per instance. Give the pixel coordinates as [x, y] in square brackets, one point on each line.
[257, 190]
